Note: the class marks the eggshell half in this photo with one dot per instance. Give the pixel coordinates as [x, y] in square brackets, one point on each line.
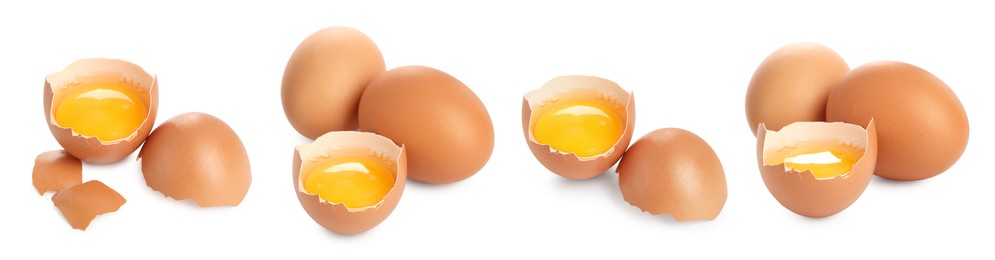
[802, 192]
[82, 203]
[569, 165]
[197, 156]
[55, 171]
[87, 72]
[336, 217]
[673, 171]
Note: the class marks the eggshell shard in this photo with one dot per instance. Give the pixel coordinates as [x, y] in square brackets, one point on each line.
[923, 128]
[82, 203]
[802, 192]
[336, 217]
[673, 171]
[569, 165]
[325, 78]
[55, 171]
[197, 156]
[442, 124]
[792, 85]
[87, 72]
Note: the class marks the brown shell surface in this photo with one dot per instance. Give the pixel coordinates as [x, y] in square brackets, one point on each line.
[82, 203]
[569, 165]
[922, 126]
[55, 171]
[673, 171]
[197, 156]
[100, 71]
[442, 124]
[325, 78]
[336, 217]
[792, 85]
[802, 192]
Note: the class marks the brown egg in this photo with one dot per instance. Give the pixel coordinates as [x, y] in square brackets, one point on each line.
[108, 108]
[673, 171]
[442, 123]
[82, 203]
[55, 171]
[196, 156]
[812, 186]
[578, 126]
[325, 78]
[913, 110]
[338, 217]
[792, 85]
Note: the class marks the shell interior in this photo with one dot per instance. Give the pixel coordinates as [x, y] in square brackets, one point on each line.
[347, 144]
[809, 137]
[569, 88]
[88, 72]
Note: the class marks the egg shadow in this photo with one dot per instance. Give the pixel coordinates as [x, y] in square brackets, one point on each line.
[607, 183]
[885, 182]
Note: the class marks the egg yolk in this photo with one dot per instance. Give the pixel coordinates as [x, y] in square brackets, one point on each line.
[355, 182]
[825, 164]
[105, 111]
[585, 128]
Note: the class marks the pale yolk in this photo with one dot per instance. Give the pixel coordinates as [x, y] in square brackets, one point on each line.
[585, 128]
[355, 182]
[107, 112]
[825, 164]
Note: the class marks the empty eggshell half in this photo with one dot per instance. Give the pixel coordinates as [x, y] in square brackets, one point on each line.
[673, 171]
[88, 72]
[82, 203]
[197, 156]
[802, 192]
[578, 88]
[337, 217]
[55, 171]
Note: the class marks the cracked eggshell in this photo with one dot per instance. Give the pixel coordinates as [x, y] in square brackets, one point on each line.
[325, 78]
[197, 156]
[569, 165]
[442, 124]
[802, 192]
[798, 76]
[336, 217]
[87, 72]
[82, 203]
[673, 171]
[55, 171]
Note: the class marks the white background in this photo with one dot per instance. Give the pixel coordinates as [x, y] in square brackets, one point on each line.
[688, 66]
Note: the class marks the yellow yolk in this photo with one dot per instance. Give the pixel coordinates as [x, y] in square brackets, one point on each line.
[355, 182]
[585, 128]
[825, 164]
[107, 112]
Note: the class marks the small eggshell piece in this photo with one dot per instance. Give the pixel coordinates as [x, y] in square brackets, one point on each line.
[55, 171]
[197, 156]
[82, 203]
[673, 171]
